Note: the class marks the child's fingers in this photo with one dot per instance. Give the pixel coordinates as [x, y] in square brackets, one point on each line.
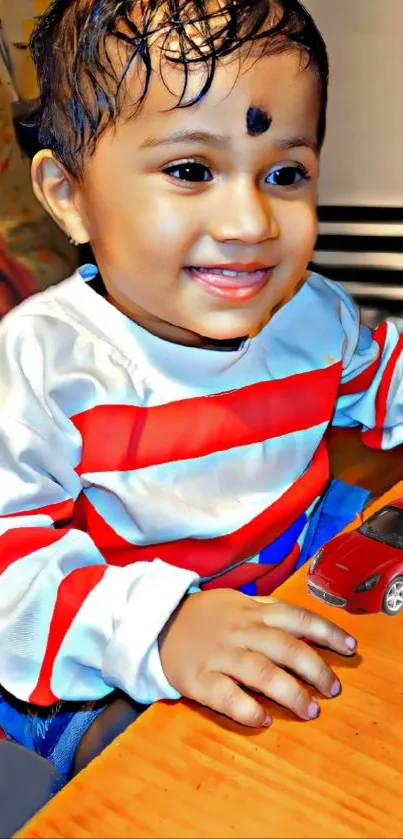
[223, 695]
[259, 673]
[282, 650]
[305, 624]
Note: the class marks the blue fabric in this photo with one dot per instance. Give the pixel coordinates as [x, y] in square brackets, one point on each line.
[88, 272]
[337, 508]
[278, 550]
[62, 742]
[53, 733]
[249, 588]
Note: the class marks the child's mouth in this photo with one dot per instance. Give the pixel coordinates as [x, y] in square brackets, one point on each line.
[234, 281]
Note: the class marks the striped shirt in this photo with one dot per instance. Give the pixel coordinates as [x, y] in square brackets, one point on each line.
[132, 469]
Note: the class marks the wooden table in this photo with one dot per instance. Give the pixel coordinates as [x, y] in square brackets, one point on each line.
[181, 771]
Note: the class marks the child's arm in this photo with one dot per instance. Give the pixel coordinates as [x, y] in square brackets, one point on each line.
[70, 626]
[73, 628]
[371, 392]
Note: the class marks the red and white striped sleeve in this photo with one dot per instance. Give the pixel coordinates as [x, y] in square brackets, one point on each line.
[371, 390]
[71, 627]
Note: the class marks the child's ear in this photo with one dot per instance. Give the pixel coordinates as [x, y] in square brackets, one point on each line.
[59, 195]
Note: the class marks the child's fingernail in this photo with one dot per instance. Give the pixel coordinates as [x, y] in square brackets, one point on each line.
[313, 710]
[336, 688]
[351, 643]
[267, 722]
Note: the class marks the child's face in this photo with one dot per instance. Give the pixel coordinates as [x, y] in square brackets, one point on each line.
[155, 204]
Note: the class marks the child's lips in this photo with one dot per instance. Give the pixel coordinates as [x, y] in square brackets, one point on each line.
[235, 281]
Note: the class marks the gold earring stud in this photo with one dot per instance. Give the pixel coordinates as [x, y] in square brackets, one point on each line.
[73, 241]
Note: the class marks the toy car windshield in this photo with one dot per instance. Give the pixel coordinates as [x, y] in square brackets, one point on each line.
[385, 526]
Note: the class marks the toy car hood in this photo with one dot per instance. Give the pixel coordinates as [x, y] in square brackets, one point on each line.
[348, 560]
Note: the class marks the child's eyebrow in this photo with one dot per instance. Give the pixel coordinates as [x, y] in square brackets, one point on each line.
[187, 136]
[288, 143]
[221, 141]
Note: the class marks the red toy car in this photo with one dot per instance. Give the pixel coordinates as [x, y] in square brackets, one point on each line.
[362, 571]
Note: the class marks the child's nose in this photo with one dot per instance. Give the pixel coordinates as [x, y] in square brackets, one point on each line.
[242, 213]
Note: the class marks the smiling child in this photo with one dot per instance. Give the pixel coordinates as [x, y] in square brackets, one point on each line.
[163, 411]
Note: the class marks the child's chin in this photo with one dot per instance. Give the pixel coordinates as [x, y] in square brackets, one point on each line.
[231, 329]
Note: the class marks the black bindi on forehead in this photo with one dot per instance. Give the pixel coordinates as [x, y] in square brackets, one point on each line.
[257, 121]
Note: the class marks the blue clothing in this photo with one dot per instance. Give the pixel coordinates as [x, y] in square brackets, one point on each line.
[339, 506]
[53, 733]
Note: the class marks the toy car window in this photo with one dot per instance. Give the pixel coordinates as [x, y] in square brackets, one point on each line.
[385, 526]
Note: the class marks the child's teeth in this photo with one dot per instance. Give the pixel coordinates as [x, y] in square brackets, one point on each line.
[231, 273]
[226, 273]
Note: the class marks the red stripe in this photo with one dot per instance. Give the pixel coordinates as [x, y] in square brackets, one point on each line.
[19, 542]
[364, 380]
[374, 437]
[57, 512]
[72, 593]
[208, 556]
[122, 437]
[267, 577]
[279, 574]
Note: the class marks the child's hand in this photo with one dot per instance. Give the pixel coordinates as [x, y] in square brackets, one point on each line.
[217, 641]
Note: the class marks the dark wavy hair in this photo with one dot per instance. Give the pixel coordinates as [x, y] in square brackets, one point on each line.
[84, 49]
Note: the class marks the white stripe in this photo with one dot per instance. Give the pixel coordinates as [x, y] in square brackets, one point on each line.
[92, 370]
[16, 522]
[28, 593]
[114, 640]
[202, 498]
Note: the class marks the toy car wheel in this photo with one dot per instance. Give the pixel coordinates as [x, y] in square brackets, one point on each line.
[393, 597]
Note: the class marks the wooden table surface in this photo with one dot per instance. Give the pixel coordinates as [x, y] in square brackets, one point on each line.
[181, 771]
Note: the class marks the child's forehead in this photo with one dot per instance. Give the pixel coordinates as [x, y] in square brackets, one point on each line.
[237, 79]
[251, 93]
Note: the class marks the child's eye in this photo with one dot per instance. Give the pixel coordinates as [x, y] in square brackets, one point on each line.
[190, 171]
[287, 175]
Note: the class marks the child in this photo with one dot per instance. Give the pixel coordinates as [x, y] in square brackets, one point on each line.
[163, 413]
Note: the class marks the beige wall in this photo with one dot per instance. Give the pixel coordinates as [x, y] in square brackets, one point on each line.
[18, 19]
[362, 159]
